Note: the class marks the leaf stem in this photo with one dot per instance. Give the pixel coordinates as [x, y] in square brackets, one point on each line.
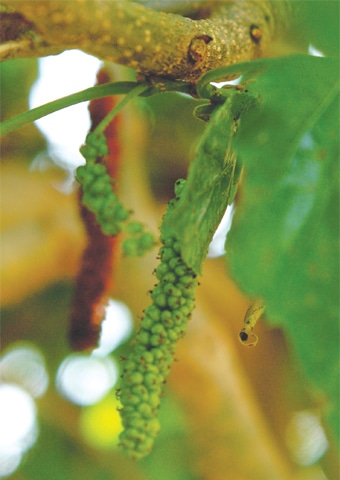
[92, 93]
[135, 92]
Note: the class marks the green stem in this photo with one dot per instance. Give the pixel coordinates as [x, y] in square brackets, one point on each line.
[92, 93]
[135, 92]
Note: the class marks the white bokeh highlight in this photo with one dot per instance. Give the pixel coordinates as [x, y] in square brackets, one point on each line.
[306, 438]
[18, 426]
[116, 328]
[85, 380]
[25, 366]
[65, 130]
[217, 245]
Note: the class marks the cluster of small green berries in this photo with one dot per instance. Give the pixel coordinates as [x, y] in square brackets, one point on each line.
[99, 197]
[145, 371]
[138, 242]
[95, 146]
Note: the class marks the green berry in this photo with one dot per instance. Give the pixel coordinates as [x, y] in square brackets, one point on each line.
[144, 338]
[153, 313]
[98, 143]
[129, 247]
[145, 410]
[130, 366]
[161, 270]
[147, 241]
[170, 289]
[134, 227]
[167, 241]
[147, 358]
[134, 378]
[160, 299]
[156, 340]
[158, 329]
[169, 277]
[98, 170]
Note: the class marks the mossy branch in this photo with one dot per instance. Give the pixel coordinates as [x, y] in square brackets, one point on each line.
[150, 41]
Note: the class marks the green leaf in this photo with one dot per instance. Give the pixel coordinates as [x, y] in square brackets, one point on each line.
[318, 23]
[283, 246]
[210, 184]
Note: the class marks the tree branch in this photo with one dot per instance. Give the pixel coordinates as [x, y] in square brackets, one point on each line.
[150, 41]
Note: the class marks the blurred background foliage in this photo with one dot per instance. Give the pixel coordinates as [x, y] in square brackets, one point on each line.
[228, 412]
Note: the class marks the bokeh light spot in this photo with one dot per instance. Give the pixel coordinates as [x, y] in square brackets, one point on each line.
[314, 51]
[100, 424]
[9, 462]
[116, 328]
[84, 379]
[65, 130]
[18, 426]
[306, 438]
[25, 365]
[217, 245]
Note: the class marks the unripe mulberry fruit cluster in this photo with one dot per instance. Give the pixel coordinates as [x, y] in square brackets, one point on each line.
[99, 197]
[145, 371]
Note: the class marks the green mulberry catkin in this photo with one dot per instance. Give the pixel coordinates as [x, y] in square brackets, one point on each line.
[99, 198]
[163, 324]
[96, 183]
